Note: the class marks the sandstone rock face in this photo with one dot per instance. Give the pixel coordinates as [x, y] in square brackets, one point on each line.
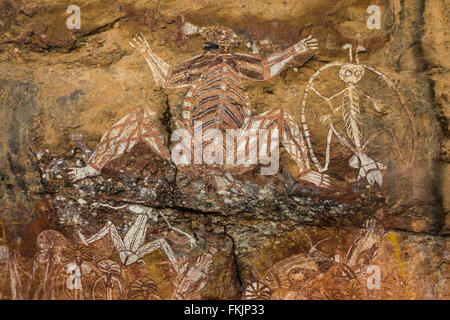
[370, 106]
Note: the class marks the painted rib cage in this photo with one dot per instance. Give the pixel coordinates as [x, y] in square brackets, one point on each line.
[217, 100]
[351, 116]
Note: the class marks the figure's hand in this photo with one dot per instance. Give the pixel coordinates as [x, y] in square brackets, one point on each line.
[81, 173]
[325, 119]
[380, 107]
[308, 43]
[328, 119]
[140, 44]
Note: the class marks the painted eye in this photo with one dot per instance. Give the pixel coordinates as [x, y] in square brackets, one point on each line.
[358, 73]
[348, 73]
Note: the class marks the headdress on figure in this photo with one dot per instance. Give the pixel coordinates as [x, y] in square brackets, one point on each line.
[221, 36]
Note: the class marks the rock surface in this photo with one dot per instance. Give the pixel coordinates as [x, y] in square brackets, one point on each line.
[278, 238]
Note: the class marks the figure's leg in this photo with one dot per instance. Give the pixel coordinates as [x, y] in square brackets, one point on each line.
[292, 140]
[140, 125]
[154, 134]
[108, 228]
[135, 236]
[127, 256]
[164, 246]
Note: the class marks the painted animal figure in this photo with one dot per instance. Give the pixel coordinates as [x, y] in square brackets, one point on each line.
[216, 99]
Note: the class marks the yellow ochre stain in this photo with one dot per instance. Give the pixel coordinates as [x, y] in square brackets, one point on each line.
[393, 237]
[402, 272]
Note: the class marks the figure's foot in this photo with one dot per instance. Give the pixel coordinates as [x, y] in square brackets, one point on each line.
[368, 168]
[318, 179]
[81, 173]
[373, 176]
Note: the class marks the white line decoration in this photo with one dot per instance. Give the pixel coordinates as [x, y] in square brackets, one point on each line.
[293, 273]
[353, 137]
[133, 247]
[217, 99]
[190, 283]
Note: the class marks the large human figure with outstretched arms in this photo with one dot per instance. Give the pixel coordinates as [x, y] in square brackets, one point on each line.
[216, 99]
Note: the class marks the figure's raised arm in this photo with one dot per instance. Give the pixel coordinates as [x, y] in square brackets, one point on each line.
[255, 68]
[160, 69]
[171, 77]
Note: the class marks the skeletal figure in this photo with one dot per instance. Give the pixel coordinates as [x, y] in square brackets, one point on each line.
[354, 138]
[217, 99]
[133, 247]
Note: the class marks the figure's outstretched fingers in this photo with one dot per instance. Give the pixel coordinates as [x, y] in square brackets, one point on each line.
[138, 46]
[144, 39]
[312, 40]
[315, 43]
[142, 43]
[132, 45]
[135, 43]
[307, 38]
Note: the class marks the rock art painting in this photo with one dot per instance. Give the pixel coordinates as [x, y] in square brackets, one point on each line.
[353, 136]
[189, 150]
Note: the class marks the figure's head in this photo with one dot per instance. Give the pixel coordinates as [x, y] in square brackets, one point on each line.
[221, 36]
[351, 73]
